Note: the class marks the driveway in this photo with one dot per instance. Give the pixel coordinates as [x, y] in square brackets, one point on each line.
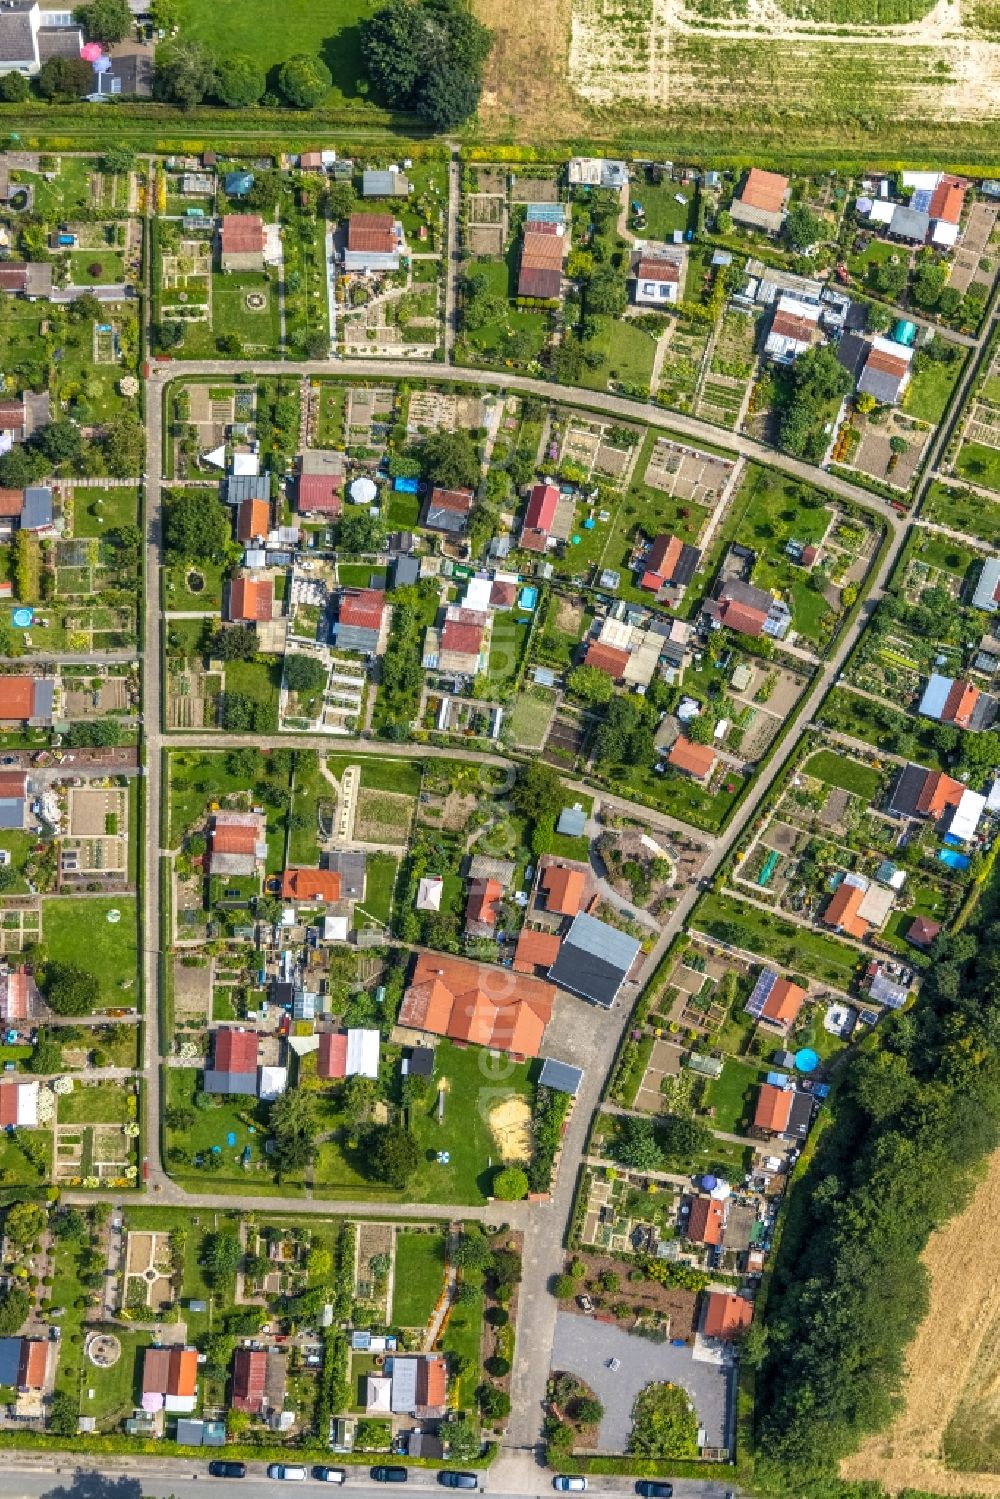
[582, 1346]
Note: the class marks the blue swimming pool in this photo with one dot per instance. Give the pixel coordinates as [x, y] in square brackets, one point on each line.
[527, 598]
[954, 860]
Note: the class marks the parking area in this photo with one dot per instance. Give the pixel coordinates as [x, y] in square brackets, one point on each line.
[582, 1346]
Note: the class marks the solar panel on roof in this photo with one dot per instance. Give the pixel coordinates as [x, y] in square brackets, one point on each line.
[921, 200]
[868, 1017]
[761, 989]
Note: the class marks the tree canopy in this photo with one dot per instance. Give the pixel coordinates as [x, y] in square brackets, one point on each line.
[392, 1154]
[305, 80]
[239, 81]
[184, 74]
[107, 21]
[450, 459]
[427, 57]
[69, 990]
[294, 1127]
[194, 529]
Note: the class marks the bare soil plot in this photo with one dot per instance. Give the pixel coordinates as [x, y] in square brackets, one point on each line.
[485, 239]
[431, 411]
[91, 807]
[963, 1264]
[192, 990]
[383, 817]
[664, 1061]
[687, 473]
[874, 455]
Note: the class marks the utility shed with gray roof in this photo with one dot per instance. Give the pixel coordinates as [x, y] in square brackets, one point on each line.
[909, 224]
[561, 1076]
[594, 960]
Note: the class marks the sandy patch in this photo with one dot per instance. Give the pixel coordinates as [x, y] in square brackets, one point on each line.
[510, 1123]
[964, 1267]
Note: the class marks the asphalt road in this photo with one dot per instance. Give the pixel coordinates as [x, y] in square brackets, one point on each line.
[155, 1479]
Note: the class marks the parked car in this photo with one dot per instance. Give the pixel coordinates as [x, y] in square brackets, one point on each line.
[614, 1364]
[568, 1483]
[220, 1469]
[452, 1480]
[330, 1475]
[290, 1472]
[651, 1490]
[389, 1473]
[585, 1303]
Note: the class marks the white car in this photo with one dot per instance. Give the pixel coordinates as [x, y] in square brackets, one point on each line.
[614, 1364]
[291, 1473]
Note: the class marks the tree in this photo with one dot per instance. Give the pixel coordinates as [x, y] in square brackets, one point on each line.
[168, 335]
[564, 1288]
[392, 1154]
[118, 159]
[305, 81]
[510, 1184]
[184, 75]
[68, 989]
[235, 643]
[221, 1256]
[802, 227]
[506, 1267]
[46, 1058]
[473, 1252]
[636, 1146]
[684, 1137]
[294, 1126]
[65, 78]
[494, 1403]
[626, 735]
[64, 1414]
[124, 444]
[24, 1223]
[538, 791]
[590, 685]
[17, 470]
[69, 1225]
[465, 1443]
[587, 1410]
[107, 21]
[14, 88]
[59, 442]
[359, 532]
[341, 200]
[239, 81]
[194, 529]
[606, 291]
[447, 96]
[304, 673]
[317, 345]
[450, 460]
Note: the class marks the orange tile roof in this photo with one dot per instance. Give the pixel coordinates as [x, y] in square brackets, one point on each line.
[842, 910]
[663, 555]
[363, 607]
[536, 950]
[319, 885]
[233, 1051]
[11, 503]
[783, 1003]
[774, 1109]
[706, 1221]
[960, 704]
[564, 888]
[33, 1363]
[789, 325]
[742, 617]
[696, 759]
[241, 839]
[938, 792]
[484, 898]
[657, 268]
[17, 698]
[948, 199]
[726, 1315]
[606, 658]
[253, 518]
[432, 1382]
[13, 783]
[251, 599]
[888, 364]
[471, 1001]
[542, 252]
[764, 190]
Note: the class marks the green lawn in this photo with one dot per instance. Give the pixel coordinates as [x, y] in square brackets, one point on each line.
[732, 1095]
[663, 213]
[627, 351]
[354, 574]
[96, 511]
[848, 774]
[260, 680]
[243, 1117]
[26, 1158]
[930, 389]
[678, 794]
[530, 715]
[77, 931]
[979, 464]
[105, 1104]
[257, 330]
[797, 948]
[463, 1336]
[507, 642]
[274, 30]
[380, 884]
[111, 265]
[476, 1082]
[418, 1278]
